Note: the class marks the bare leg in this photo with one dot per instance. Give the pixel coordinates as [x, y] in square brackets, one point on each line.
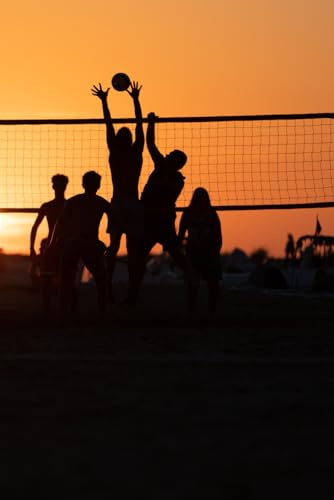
[115, 240]
[68, 293]
[68, 271]
[137, 256]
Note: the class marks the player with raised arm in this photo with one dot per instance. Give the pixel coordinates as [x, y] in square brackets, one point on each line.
[125, 161]
[159, 197]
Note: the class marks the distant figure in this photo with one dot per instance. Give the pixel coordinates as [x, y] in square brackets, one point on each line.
[201, 227]
[299, 249]
[125, 161]
[46, 264]
[159, 196]
[290, 250]
[76, 236]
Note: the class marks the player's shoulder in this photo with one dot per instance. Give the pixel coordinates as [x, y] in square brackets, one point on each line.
[214, 218]
[159, 160]
[101, 198]
[214, 214]
[46, 206]
[180, 177]
[102, 201]
[185, 216]
[73, 200]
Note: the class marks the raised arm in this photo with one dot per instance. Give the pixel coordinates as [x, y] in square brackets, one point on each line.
[150, 138]
[103, 95]
[134, 93]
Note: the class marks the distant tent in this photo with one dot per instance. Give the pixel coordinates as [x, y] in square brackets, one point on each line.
[238, 262]
[315, 239]
[268, 276]
[307, 257]
[314, 245]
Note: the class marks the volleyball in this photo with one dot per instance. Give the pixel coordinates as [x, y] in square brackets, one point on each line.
[120, 81]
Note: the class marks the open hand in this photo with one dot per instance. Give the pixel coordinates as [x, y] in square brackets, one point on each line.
[135, 90]
[99, 92]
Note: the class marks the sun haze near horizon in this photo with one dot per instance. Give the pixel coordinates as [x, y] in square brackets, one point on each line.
[193, 58]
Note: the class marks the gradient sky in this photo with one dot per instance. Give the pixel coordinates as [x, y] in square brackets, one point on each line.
[193, 57]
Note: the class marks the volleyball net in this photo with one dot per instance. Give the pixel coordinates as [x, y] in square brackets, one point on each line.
[245, 162]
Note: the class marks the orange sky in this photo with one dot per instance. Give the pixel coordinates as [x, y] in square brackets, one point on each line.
[193, 57]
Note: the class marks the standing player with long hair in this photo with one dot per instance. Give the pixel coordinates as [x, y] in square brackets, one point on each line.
[201, 229]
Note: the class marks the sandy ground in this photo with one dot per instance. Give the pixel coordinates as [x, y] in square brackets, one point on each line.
[152, 404]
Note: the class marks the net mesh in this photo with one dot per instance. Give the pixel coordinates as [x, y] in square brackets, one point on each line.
[242, 162]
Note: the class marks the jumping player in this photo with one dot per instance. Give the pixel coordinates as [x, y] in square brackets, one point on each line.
[159, 196]
[125, 161]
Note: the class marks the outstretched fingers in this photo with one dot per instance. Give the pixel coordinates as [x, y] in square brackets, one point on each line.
[136, 86]
[135, 89]
[98, 91]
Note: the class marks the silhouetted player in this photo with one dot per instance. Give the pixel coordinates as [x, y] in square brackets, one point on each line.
[50, 210]
[201, 226]
[290, 250]
[159, 196]
[125, 161]
[47, 262]
[77, 234]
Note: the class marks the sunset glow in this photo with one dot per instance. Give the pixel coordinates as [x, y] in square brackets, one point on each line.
[193, 58]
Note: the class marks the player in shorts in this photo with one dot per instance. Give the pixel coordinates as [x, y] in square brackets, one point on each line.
[125, 161]
[77, 234]
[159, 196]
[47, 261]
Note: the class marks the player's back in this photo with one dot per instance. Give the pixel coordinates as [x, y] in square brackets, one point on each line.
[162, 189]
[82, 215]
[51, 210]
[125, 166]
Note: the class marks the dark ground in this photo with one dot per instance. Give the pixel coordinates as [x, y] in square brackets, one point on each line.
[152, 404]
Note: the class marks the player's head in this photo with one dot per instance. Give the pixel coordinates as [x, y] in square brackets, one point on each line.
[59, 183]
[200, 199]
[124, 137]
[176, 159]
[91, 181]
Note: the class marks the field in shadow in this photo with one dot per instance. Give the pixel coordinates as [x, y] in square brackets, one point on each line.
[150, 402]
